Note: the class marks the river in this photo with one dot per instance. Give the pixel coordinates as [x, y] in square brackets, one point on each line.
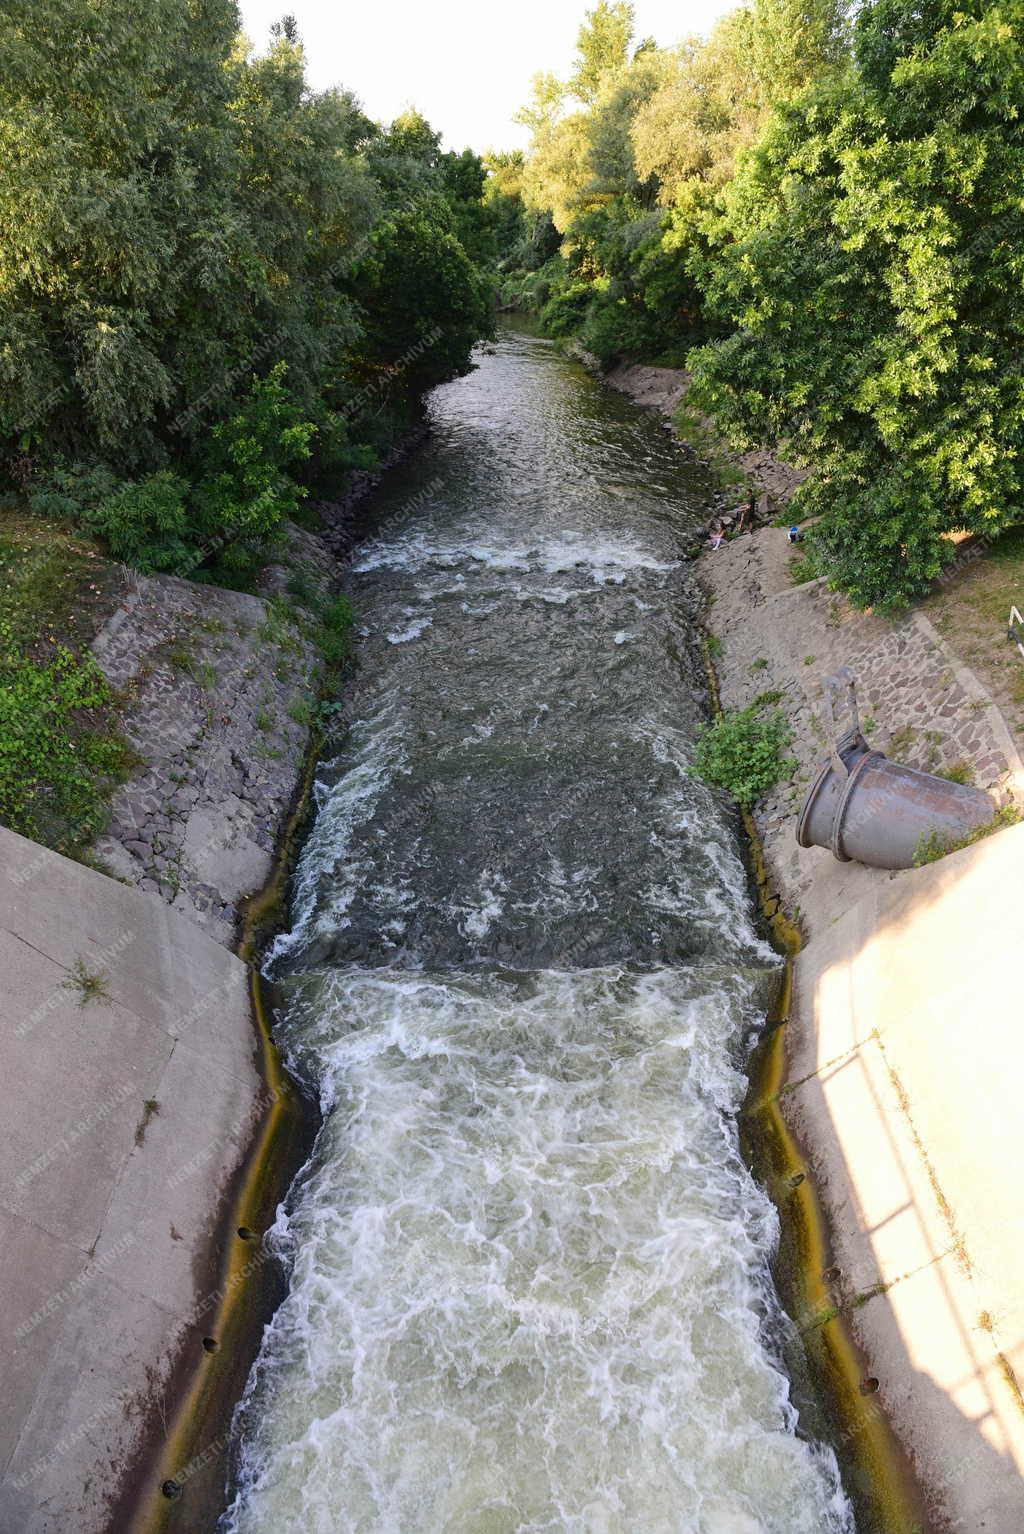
[528, 1268]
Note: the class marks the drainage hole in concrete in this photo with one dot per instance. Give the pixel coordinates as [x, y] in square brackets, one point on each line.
[830, 1275]
[868, 1386]
[797, 1179]
[210, 1344]
[245, 1234]
[171, 1490]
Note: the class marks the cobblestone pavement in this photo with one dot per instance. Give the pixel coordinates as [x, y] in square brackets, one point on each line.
[918, 703]
[217, 688]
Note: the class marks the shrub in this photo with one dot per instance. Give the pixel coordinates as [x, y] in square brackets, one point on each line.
[742, 752]
[246, 491]
[566, 309]
[145, 523]
[71, 490]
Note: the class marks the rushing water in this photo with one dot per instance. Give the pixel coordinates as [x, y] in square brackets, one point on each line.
[528, 1283]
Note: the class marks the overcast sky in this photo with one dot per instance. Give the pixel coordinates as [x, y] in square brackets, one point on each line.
[466, 64]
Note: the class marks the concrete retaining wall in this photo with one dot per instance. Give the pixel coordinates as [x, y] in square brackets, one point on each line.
[128, 1064]
[905, 1089]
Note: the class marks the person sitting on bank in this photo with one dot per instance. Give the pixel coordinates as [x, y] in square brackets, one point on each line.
[716, 536]
[746, 521]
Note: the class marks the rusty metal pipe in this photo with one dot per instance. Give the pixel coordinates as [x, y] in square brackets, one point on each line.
[871, 810]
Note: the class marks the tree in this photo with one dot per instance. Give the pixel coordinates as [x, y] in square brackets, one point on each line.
[194, 239]
[424, 304]
[869, 256]
[602, 48]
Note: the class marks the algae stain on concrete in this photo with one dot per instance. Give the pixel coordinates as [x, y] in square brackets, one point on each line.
[185, 1487]
[829, 1378]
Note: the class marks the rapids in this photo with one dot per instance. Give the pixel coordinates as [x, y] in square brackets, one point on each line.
[528, 1268]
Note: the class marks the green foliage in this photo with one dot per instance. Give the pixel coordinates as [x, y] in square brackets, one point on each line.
[145, 524]
[56, 749]
[742, 752]
[806, 566]
[334, 631]
[182, 217]
[423, 302]
[868, 254]
[629, 132]
[246, 491]
[831, 215]
[87, 984]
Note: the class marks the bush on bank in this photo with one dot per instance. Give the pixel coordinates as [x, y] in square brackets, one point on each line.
[742, 752]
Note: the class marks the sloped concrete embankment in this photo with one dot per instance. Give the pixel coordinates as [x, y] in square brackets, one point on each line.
[904, 1065]
[133, 1095]
[904, 1079]
[919, 703]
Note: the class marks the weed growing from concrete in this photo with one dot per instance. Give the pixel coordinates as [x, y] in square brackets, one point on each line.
[89, 985]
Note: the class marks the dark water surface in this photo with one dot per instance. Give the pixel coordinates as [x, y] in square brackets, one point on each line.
[528, 1281]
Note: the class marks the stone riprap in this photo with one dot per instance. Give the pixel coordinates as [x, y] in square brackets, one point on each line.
[217, 690]
[918, 703]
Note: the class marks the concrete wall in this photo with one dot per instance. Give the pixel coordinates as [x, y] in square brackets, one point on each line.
[905, 1089]
[107, 1211]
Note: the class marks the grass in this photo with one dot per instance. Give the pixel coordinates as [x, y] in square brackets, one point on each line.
[958, 772]
[901, 743]
[150, 1109]
[698, 433]
[971, 607]
[87, 984]
[60, 750]
[804, 568]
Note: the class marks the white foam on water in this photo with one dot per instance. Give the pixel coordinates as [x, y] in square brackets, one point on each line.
[375, 755]
[477, 919]
[602, 558]
[528, 1288]
[413, 631]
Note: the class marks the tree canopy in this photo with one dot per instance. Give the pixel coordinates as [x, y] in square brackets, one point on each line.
[822, 218]
[185, 221]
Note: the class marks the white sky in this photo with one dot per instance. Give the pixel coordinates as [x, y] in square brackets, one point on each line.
[466, 64]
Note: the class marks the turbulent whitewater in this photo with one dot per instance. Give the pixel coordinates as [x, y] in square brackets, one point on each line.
[528, 1285]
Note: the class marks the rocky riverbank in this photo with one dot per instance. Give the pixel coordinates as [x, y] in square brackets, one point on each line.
[219, 696]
